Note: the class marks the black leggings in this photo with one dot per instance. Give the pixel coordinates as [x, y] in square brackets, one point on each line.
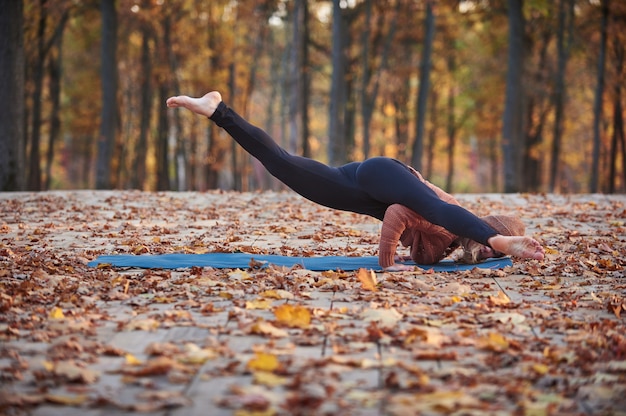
[367, 187]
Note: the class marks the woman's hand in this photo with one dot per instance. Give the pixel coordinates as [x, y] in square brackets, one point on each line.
[399, 268]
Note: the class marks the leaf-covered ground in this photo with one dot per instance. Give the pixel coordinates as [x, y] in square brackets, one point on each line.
[536, 338]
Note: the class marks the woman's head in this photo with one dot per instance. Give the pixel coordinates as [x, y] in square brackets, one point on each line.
[473, 252]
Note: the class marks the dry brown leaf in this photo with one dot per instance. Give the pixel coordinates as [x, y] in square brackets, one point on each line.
[367, 279]
[266, 328]
[500, 299]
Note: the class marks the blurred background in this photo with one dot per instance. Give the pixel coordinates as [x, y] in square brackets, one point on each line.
[479, 95]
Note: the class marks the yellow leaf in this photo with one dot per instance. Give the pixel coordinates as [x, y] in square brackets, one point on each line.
[456, 299]
[48, 365]
[56, 313]
[550, 250]
[493, 341]
[540, 369]
[132, 360]
[368, 279]
[500, 299]
[269, 379]
[259, 304]
[295, 316]
[263, 362]
[140, 249]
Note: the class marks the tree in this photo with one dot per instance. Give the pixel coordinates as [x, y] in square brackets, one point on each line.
[374, 64]
[565, 21]
[512, 126]
[108, 122]
[145, 92]
[424, 85]
[299, 80]
[337, 151]
[597, 103]
[12, 95]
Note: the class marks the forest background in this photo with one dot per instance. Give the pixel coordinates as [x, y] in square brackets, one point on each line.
[480, 95]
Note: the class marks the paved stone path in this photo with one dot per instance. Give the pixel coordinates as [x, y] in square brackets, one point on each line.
[536, 338]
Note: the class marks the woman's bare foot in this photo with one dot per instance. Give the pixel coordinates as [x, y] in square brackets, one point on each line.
[517, 246]
[205, 105]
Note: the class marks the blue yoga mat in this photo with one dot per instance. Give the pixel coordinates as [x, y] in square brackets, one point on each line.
[242, 261]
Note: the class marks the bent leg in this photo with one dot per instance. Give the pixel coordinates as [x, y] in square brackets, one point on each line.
[390, 181]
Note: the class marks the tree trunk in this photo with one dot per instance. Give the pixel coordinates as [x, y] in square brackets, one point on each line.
[296, 77]
[337, 152]
[370, 82]
[559, 89]
[34, 160]
[163, 131]
[512, 122]
[12, 95]
[424, 85]
[536, 111]
[139, 166]
[400, 99]
[451, 121]
[597, 104]
[432, 135]
[618, 119]
[305, 82]
[54, 71]
[108, 122]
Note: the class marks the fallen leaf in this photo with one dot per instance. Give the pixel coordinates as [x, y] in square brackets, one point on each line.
[367, 279]
[130, 359]
[154, 367]
[425, 335]
[196, 355]
[263, 362]
[72, 372]
[294, 316]
[266, 328]
[493, 341]
[259, 304]
[386, 318]
[147, 324]
[269, 379]
[500, 299]
[56, 313]
[277, 294]
[67, 400]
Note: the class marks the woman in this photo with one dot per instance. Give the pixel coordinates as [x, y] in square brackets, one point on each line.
[413, 211]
